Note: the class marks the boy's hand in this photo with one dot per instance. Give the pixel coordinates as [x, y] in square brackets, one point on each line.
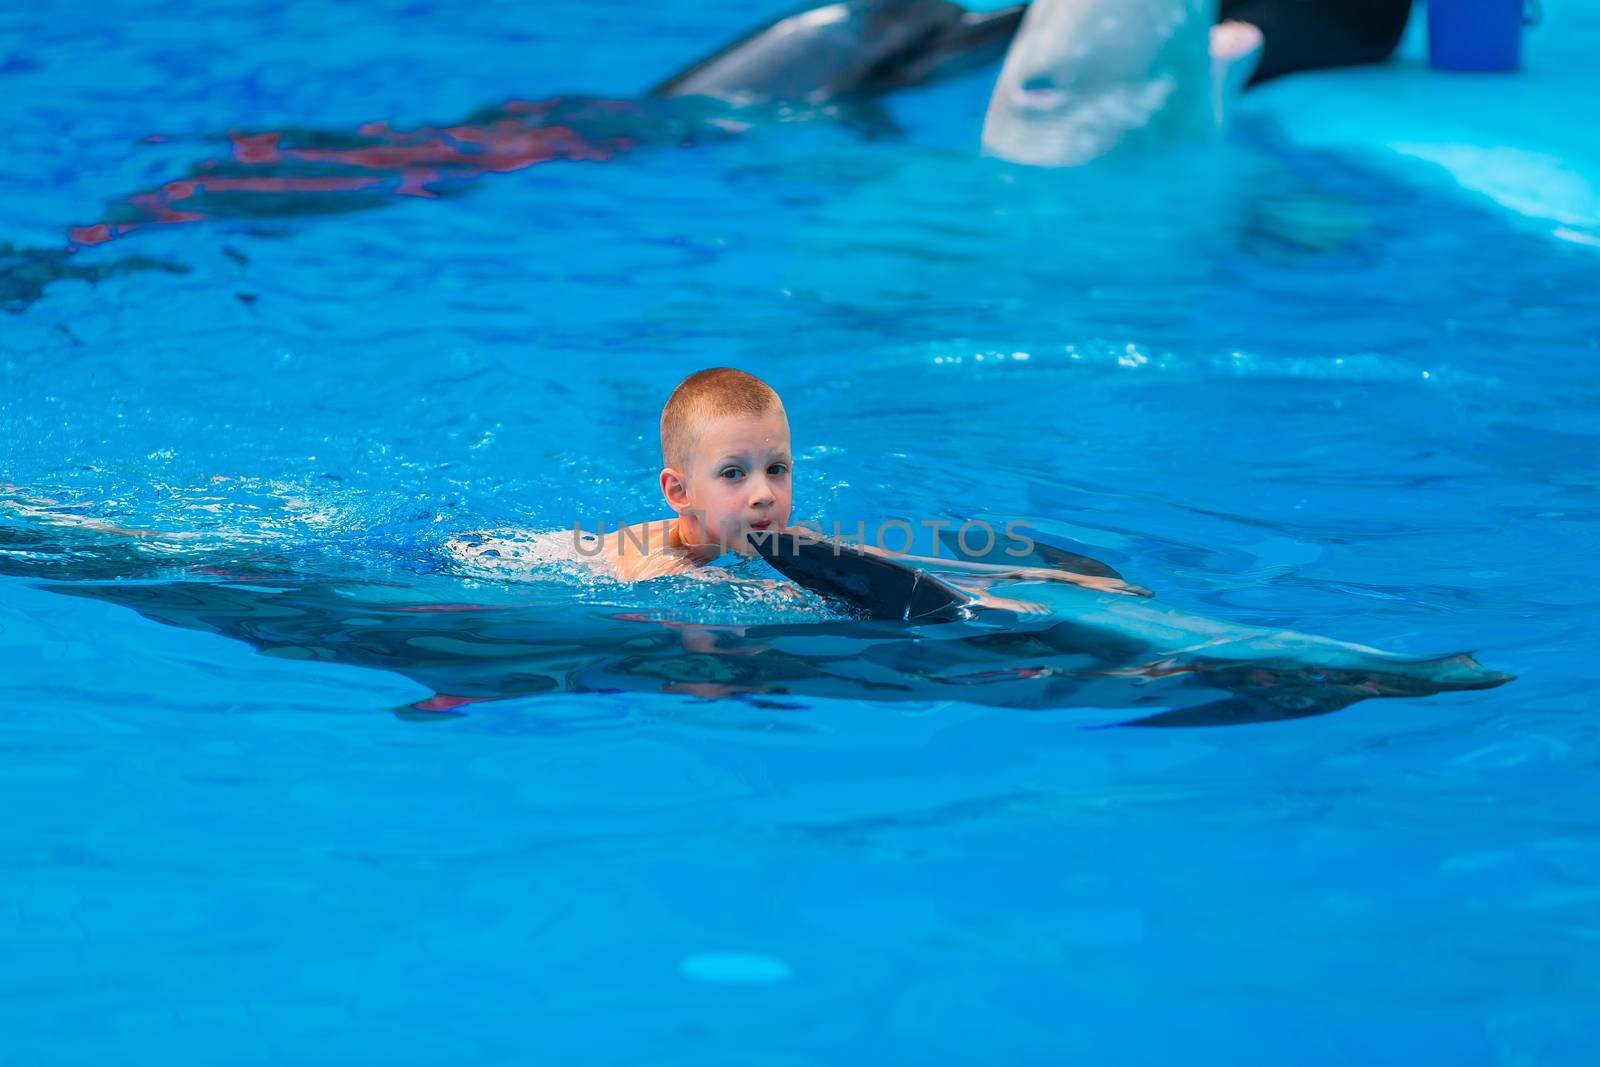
[50, 513]
[1005, 603]
[1087, 581]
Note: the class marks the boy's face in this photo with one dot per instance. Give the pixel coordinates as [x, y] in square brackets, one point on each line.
[738, 480]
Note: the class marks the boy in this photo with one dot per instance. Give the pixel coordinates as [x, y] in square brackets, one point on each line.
[726, 473]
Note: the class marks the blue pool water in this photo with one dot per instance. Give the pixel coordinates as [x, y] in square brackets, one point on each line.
[1282, 387]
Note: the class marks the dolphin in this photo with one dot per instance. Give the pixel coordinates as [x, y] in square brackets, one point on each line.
[853, 48]
[1268, 674]
[1084, 77]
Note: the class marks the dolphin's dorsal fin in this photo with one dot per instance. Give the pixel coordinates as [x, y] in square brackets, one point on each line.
[1047, 555]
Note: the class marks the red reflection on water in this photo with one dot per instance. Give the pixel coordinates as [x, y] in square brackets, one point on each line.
[286, 173]
[97, 234]
[446, 702]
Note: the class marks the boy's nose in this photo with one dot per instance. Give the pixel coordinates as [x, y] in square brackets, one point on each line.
[761, 494]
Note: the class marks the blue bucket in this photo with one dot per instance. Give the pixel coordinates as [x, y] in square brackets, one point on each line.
[1477, 34]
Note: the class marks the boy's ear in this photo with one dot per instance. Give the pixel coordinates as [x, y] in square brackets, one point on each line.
[674, 488]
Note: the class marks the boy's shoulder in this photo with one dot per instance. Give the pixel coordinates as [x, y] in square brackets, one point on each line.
[645, 550]
[629, 554]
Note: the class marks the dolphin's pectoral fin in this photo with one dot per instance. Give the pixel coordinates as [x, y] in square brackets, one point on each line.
[1061, 559]
[1043, 553]
[1231, 711]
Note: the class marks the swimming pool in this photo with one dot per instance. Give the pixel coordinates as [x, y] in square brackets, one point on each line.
[1344, 401]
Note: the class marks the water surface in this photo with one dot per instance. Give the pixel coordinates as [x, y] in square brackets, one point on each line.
[1280, 388]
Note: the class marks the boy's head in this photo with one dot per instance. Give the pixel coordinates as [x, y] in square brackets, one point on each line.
[725, 457]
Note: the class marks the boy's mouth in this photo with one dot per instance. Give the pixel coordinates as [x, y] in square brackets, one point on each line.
[762, 525]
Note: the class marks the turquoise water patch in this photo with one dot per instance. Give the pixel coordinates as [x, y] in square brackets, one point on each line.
[735, 968]
[290, 784]
[1514, 139]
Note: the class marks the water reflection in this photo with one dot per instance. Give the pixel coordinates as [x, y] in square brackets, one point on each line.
[295, 172]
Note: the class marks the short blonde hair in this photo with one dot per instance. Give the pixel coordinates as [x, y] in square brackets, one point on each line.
[709, 394]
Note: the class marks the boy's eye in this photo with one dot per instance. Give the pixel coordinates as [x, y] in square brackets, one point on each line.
[777, 469]
[733, 472]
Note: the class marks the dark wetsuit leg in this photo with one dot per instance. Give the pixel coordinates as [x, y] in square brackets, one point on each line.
[1307, 34]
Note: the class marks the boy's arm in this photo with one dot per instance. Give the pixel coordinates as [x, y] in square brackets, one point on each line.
[49, 512]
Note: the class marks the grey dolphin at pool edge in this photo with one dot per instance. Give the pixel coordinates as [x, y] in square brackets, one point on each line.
[854, 48]
[1271, 674]
[1085, 77]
